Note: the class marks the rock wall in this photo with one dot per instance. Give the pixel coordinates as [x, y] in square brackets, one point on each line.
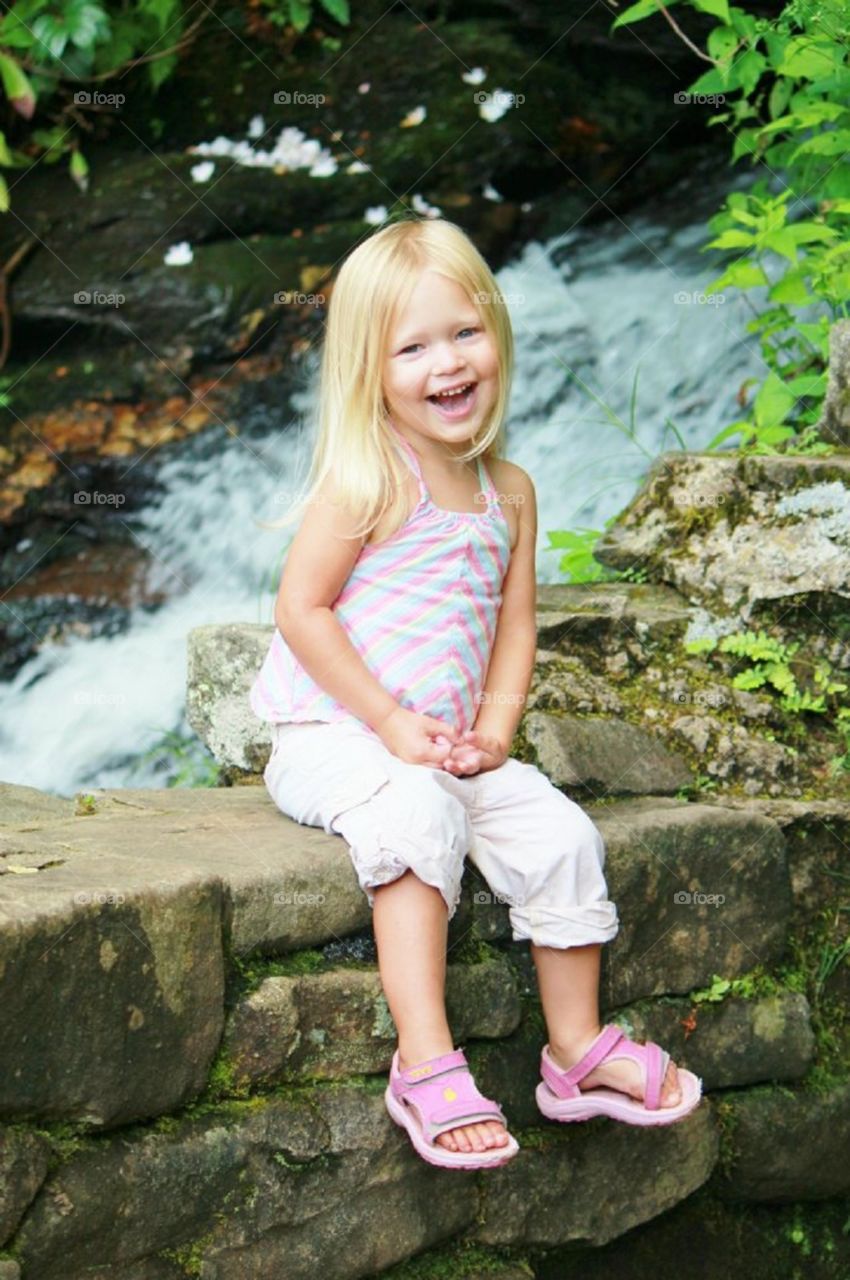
[195, 1041]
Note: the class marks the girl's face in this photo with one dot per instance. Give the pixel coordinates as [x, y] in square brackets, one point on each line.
[438, 344]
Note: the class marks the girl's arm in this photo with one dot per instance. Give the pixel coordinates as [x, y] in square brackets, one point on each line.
[515, 645]
[319, 562]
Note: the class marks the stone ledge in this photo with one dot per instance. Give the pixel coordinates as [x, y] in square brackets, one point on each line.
[786, 1144]
[129, 925]
[325, 1184]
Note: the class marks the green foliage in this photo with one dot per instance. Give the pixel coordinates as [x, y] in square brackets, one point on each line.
[770, 668]
[783, 85]
[841, 763]
[60, 56]
[189, 764]
[299, 13]
[578, 561]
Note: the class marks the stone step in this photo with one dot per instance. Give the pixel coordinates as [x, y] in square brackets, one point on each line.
[336, 1024]
[325, 1184]
[128, 922]
[785, 1144]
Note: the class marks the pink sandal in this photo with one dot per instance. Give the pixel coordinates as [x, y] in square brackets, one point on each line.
[437, 1095]
[559, 1097]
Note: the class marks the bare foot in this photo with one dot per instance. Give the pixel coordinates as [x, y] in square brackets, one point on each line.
[617, 1073]
[482, 1136]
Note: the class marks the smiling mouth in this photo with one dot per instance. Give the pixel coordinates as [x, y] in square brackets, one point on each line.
[453, 399]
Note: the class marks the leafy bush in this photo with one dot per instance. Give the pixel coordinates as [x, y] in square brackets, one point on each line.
[61, 55]
[785, 86]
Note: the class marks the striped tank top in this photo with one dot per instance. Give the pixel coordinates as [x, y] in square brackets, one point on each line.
[421, 609]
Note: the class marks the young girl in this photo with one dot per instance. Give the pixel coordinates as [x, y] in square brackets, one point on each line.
[403, 653]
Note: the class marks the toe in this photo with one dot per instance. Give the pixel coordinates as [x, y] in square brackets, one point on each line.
[671, 1092]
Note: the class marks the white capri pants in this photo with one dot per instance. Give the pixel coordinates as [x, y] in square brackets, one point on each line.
[539, 851]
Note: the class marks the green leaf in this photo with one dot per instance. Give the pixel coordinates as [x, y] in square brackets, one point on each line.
[163, 12]
[808, 59]
[636, 12]
[4, 195]
[717, 8]
[834, 143]
[808, 384]
[160, 69]
[773, 402]
[338, 9]
[744, 275]
[19, 91]
[743, 22]
[721, 42]
[300, 12]
[778, 97]
[5, 154]
[732, 239]
[747, 71]
[791, 289]
[87, 23]
[713, 81]
[52, 34]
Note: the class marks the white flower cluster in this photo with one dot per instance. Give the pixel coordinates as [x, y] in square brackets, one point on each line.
[292, 150]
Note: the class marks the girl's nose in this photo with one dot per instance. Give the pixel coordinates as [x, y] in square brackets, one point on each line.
[447, 360]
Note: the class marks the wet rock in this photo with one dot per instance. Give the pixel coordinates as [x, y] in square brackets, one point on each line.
[739, 532]
[109, 967]
[834, 424]
[786, 1145]
[602, 756]
[23, 1164]
[708, 892]
[563, 1192]
[321, 1184]
[329, 1025]
[733, 1042]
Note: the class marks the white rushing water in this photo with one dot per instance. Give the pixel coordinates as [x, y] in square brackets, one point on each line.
[598, 303]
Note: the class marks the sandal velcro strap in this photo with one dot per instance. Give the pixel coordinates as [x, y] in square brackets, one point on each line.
[650, 1057]
[444, 1096]
[427, 1070]
[565, 1083]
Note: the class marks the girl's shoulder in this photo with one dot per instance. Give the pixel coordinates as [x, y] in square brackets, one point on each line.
[508, 476]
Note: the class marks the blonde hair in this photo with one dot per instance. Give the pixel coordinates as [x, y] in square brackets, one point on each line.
[354, 442]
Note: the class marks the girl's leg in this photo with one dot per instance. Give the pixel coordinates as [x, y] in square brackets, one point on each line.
[569, 992]
[410, 920]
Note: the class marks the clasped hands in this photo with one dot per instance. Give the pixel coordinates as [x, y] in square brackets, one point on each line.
[422, 739]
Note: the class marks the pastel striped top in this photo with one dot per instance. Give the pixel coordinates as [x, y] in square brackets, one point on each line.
[420, 607]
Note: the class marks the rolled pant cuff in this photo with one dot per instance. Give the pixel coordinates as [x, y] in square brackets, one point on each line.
[576, 928]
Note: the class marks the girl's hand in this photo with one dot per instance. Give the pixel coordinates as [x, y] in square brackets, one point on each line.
[417, 739]
[473, 752]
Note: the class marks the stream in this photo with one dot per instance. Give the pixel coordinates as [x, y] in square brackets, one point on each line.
[602, 303]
